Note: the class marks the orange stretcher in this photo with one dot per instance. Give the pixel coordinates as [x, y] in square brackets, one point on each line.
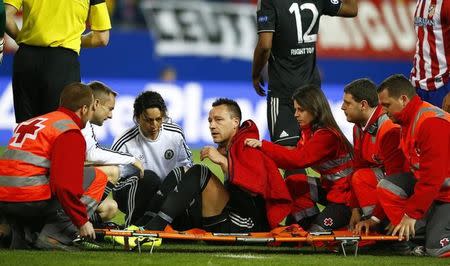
[292, 234]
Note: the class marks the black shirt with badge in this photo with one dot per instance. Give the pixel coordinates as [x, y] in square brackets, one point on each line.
[295, 26]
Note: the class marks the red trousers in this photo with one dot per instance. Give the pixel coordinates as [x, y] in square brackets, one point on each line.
[364, 185]
[305, 193]
[94, 185]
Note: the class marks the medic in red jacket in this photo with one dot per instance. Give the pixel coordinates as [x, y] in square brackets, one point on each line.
[44, 162]
[376, 147]
[324, 148]
[425, 192]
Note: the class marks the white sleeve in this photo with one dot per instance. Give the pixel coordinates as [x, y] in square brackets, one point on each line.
[99, 155]
[119, 144]
[89, 137]
[185, 154]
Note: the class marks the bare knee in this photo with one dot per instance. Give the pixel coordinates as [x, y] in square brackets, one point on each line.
[107, 209]
[214, 197]
[111, 171]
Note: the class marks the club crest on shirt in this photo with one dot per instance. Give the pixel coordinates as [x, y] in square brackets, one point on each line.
[427, 19]
[431, 11]
[334, 2]
[168, 154]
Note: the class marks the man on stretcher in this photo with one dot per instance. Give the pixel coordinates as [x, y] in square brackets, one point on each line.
[254, 196]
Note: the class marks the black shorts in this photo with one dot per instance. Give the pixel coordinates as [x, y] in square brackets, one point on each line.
[243, 213]
[39, 75]
[283, 126]
[334, 216]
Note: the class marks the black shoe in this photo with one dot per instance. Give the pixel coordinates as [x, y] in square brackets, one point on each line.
[145, 219]
[403, 247]
[48, 243]
[5, 235]
[108, 225]
[419, 251]
[86, 244]
[18, 238]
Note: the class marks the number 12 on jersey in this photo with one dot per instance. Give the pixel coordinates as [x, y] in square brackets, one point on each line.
[304, 37]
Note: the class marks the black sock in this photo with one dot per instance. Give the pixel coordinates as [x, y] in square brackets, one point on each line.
[178, 200]
[169, 183]
[95, 219]
[306, 222]
[109, 187]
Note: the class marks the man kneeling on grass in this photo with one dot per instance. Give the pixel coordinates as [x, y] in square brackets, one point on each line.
[253, 197]
[46, 193]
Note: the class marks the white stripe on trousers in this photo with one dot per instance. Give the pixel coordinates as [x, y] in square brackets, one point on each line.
[241, 221]
[132, 182]
[274, 103]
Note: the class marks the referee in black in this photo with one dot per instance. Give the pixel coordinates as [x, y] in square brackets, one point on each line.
[288, 31]
[49, 44]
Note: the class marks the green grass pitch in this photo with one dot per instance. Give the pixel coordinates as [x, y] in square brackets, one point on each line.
[196, 253]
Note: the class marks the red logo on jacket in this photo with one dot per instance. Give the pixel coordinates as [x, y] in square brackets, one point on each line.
[444, 242]
[27, 130]
[328, 221]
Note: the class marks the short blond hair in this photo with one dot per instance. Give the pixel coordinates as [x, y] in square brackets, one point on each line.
[100, 90]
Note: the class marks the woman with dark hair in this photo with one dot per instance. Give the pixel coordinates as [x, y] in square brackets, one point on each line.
[324, 148]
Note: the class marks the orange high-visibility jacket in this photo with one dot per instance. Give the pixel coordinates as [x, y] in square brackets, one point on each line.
[24, 166]
[413, 153]
[367, 144]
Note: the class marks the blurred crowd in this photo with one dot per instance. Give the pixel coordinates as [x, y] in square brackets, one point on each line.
[128, 13]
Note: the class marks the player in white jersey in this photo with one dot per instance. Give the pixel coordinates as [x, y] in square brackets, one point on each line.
[431, 65]
[164, 153]
[117, 165]
[159, 144]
